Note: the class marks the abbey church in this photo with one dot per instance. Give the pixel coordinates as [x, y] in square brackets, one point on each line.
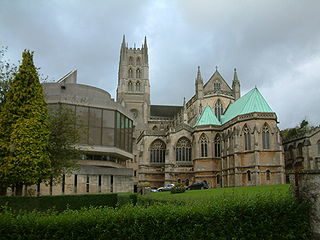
[217, 136]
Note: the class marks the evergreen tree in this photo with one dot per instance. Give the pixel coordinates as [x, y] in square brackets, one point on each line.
[24, 134]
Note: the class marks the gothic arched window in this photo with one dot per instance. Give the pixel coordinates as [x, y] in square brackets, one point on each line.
[247, 138]
[138, 86]
[218, 109]
[204, 145]
[268, 175]
[138, 73]
[157, 151]
[216, 86]
[291, 155]
[155, 128]
[130, 73]
[249, 175]
[265, 137]
[130, 86]
[300, 153]
[217, 146]
[138, 61]
[183, 150]
[130, 60]
[218, 179]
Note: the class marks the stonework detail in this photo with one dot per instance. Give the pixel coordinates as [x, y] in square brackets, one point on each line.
[236, 147]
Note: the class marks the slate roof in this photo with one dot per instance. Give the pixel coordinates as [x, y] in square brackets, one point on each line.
[251, 102]
[207, 117]
[164, 111]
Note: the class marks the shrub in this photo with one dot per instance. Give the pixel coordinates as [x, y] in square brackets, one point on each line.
[262, 217]
[60, 202]
[178, 188]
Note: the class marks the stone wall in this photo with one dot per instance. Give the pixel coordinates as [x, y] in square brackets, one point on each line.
[306, 185]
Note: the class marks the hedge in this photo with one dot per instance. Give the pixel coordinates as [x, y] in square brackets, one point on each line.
[59, 202]
[264, 217]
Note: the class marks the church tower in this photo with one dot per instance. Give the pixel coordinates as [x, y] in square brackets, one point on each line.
[133, 90]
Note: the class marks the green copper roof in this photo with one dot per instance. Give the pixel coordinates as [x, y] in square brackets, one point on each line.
[207, 117]
[253, 101]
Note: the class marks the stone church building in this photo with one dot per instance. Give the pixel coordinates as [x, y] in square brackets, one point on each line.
[217, 135]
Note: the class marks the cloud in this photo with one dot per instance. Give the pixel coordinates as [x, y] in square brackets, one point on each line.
[275, 45]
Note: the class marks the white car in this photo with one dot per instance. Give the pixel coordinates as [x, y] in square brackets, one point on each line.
[165, 188]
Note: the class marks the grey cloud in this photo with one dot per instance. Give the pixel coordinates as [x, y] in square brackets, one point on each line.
[275, 45]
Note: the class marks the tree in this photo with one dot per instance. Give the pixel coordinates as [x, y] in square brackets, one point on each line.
[63, 136]
[24, 133]
[7, 71]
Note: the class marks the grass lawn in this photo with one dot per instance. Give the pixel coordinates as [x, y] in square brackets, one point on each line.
[221, 193]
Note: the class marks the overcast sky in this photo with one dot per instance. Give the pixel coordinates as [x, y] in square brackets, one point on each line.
[274, 44]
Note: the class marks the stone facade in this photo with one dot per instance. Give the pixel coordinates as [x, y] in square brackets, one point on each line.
[170, 145]
[302, 152]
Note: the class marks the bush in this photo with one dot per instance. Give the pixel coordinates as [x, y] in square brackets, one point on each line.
[127, 198]
[262, 217]
[60, 202]
[178, 188]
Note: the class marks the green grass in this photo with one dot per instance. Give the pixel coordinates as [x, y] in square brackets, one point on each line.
[220, 193]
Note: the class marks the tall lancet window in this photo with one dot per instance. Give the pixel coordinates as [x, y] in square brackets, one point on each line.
[130, 60]
[138, 86]
[204, 145]
[218, 109]
[130, 86]
[247, 138]
[265, 137]
[217, 146]
[216, 86]
[138, 73]
[130, 73]
[138, 61]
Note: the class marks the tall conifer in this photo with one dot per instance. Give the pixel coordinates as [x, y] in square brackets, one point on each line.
[24, 134]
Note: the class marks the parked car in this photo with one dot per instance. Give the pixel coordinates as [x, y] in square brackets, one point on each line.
[165, 188]
[198, 185]
[153, 189]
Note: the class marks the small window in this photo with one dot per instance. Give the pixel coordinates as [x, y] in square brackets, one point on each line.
[130, 86]
[300, 152]
[268, 175]
[130, 73]
[138, 73]
[216, 86]
[88, 184]
[218, 179]
[138, 87]
[249, 175]
[318, 143]
[75, 183]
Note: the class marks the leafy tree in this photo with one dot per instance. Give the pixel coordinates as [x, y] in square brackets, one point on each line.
[24, 133]
[63, 136]
[7, 71]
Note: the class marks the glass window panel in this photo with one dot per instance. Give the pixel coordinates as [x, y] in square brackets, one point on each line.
[82, 115]
[108, 118]
[108, 136]
[95, 135]
[95, 117]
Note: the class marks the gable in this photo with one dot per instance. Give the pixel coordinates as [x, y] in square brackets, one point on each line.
[216, 78]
